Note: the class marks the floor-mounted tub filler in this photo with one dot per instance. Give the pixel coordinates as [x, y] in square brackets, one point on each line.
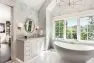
[74, 53]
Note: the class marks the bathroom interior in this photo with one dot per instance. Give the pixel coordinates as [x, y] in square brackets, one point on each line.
[46, 31]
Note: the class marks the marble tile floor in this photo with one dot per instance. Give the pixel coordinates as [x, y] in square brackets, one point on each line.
[13, 62]
[49, 57]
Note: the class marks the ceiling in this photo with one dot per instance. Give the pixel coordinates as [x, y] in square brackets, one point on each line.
[8, 2]
[64, 7]
[36, 4]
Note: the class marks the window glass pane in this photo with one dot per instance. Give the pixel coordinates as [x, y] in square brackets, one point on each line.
[83, 35]
[84, 21]
[91, 20]
[87, 28]
[59, 28]
[90, 36]
[68, 35]
[74, 35]
[84, 24]
[84, 27]
[91, 28]
[91, 24]
[57, 35]
[61, 35]
[71, 28]
[61, 23]
[57, 23]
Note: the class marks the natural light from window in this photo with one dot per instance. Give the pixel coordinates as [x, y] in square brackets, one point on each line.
[87, 28]
[73, 25]
[71, 28]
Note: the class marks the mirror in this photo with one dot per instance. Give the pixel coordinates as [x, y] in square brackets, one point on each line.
[29, 25]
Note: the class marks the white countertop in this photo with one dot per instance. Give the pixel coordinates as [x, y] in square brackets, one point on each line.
[28, 38]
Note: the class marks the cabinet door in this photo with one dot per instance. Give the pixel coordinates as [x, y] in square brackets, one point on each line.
[34, 47]
[40, 45]
[28, 50]
[20, 50]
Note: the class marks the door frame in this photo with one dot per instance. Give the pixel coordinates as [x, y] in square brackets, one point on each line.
[13, 48]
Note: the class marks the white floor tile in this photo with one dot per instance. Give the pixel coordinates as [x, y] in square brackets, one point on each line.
[50, 57]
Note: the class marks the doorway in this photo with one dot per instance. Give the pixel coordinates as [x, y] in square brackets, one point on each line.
[5, 33]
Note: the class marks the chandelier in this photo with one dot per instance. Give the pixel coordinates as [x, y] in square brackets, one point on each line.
[69, 3]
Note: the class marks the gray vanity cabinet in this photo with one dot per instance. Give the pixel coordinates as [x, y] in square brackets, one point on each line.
[30, 48]
[20, 49]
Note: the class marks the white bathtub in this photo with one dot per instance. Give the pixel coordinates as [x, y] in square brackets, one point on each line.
[74, 53]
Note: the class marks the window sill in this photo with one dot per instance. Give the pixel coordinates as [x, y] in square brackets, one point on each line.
[74, 41]
[86, 41]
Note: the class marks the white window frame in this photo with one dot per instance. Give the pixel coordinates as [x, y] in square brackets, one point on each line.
[78, 29]
[91, 41]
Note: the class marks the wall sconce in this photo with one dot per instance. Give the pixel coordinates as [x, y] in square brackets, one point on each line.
[37, 28]
[20, 25]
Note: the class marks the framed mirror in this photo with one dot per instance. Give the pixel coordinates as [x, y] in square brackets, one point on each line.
[29, 25]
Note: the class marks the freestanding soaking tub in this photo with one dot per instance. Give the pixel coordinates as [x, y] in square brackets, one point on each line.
[74, 53]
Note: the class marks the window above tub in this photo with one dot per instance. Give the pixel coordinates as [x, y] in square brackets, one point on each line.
[81, 28]
[71, 28]
[87, 28]
[59, 29]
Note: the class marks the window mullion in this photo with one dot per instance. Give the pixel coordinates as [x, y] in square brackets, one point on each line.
[87, 32]
[59, 29]
[78, 29]
[71, 35]
[65, 29]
